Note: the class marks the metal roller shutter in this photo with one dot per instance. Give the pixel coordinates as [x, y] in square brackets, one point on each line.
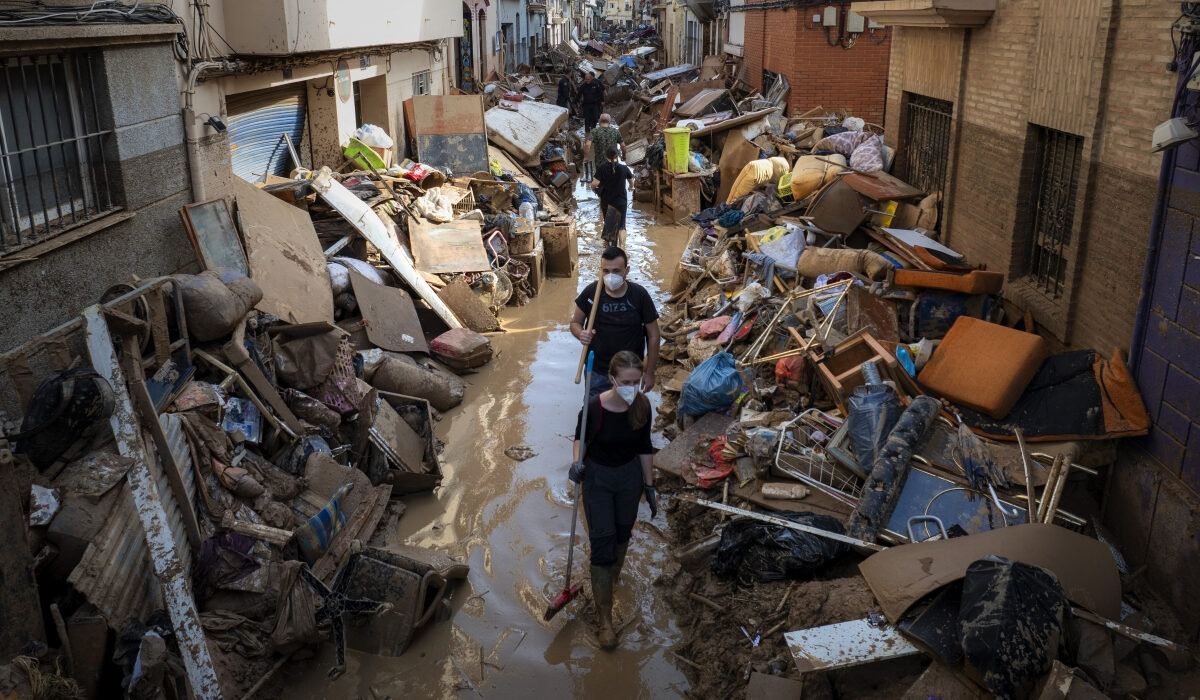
[257, 122]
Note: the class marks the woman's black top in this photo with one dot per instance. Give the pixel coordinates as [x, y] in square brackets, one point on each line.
[612, 442]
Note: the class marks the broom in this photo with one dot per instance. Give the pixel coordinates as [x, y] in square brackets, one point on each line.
[570, 591]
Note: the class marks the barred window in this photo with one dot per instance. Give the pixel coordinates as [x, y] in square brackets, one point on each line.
[53, 171]
[1057, 161]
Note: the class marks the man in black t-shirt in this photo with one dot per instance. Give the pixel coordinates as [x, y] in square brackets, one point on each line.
[626, 320]
[610, 186]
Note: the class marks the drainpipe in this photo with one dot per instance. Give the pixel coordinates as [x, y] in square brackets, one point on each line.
[194, 131]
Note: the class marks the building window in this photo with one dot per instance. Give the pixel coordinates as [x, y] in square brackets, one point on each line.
[421, 82]
[1057, 159]
[925, 151]
[52, 141]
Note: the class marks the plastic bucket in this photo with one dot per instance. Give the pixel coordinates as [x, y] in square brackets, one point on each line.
[678, 140]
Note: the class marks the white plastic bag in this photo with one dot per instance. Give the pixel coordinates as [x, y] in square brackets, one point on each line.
[373, 136]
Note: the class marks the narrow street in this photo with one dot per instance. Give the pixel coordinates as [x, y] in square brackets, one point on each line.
[510, 520]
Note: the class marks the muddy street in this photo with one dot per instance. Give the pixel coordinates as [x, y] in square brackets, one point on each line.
[510, 520]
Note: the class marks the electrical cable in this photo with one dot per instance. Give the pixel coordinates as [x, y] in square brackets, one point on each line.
[98, 12]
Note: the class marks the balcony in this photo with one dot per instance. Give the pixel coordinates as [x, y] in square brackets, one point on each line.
[282, 27]
[927, 13]
[536, 7]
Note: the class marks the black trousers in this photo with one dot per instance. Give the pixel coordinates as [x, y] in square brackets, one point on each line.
[621, 206]
[610, 504]
[591, 115]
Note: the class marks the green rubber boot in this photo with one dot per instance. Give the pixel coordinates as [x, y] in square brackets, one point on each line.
[602, 592]
[619, 563]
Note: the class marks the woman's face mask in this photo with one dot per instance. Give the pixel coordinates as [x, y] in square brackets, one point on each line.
[627, 393]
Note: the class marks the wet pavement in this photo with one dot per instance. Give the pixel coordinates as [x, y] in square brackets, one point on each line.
[510, 521]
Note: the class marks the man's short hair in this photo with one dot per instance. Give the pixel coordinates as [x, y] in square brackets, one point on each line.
[605, 118]
[612, 152]
[613, 252]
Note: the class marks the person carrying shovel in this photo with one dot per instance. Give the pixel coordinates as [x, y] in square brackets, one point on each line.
[615, 472]
[622, 317]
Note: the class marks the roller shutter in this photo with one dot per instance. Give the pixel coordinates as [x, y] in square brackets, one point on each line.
[257, 122]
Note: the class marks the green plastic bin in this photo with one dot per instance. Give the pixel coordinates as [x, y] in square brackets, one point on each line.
[678, 141]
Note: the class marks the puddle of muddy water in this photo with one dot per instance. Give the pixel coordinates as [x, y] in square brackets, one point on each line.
[511, 521]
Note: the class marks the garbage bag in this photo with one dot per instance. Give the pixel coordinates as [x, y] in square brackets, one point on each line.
[215, 301]
[773, 552]
[712, 386]
[373, 136]
[872, 412]
[1011, 618]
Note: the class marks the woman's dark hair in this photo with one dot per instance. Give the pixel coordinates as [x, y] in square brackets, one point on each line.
[639, 410]
[612, 152]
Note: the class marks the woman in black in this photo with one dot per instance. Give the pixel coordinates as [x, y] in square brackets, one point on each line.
[609, 183]
[615, 473]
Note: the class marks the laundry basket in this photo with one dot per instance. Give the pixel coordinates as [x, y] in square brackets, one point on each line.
[678, 141]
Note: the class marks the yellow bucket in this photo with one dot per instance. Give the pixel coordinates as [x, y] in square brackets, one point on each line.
[678, 140]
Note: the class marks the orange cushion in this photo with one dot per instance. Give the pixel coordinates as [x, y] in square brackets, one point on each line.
[973, 282]
[983, 366]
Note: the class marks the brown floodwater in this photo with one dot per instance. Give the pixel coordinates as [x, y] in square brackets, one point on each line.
[511, 521]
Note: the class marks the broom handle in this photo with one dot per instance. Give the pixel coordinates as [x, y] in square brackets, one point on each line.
[582, 452]
[583, 352]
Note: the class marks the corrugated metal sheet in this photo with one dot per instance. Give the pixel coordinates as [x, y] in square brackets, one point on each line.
[183, 457]
[257, 122]
[115, 573]
[932, 61]
[1068, 64]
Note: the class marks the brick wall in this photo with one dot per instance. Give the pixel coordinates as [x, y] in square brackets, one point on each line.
[785, 42]
[991, 75]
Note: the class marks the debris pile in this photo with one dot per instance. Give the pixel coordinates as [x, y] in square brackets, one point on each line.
[845, 385]
[244, 435]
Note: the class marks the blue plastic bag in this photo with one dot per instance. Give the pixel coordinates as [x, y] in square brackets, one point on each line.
[711, 387]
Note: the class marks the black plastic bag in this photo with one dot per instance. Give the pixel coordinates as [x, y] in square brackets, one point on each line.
[1011, 618]
[872, 412]
[774, 552]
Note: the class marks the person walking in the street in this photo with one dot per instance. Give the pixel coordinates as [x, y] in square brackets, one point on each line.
[616, 473]
[595, 149]
[625, 320]
[611, 178]
[566, 91]
[591, 98]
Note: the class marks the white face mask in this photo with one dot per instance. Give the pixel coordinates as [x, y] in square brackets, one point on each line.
[627, 393]
[613, 281]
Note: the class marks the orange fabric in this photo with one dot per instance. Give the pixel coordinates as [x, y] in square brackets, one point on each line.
[973, 282]
[1124, 411]
[983, 366]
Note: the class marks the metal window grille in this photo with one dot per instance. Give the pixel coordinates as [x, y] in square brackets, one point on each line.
[1058, 156]
[53, 171]
[926, 151]
[420, 83]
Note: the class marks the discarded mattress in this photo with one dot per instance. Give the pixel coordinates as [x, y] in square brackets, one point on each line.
[525, 131]
[1073, 395]
[984, 366]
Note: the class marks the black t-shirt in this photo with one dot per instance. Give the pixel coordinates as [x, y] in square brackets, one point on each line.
[612, 441]
[591, 94]
[620, 323]
[612, 177]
